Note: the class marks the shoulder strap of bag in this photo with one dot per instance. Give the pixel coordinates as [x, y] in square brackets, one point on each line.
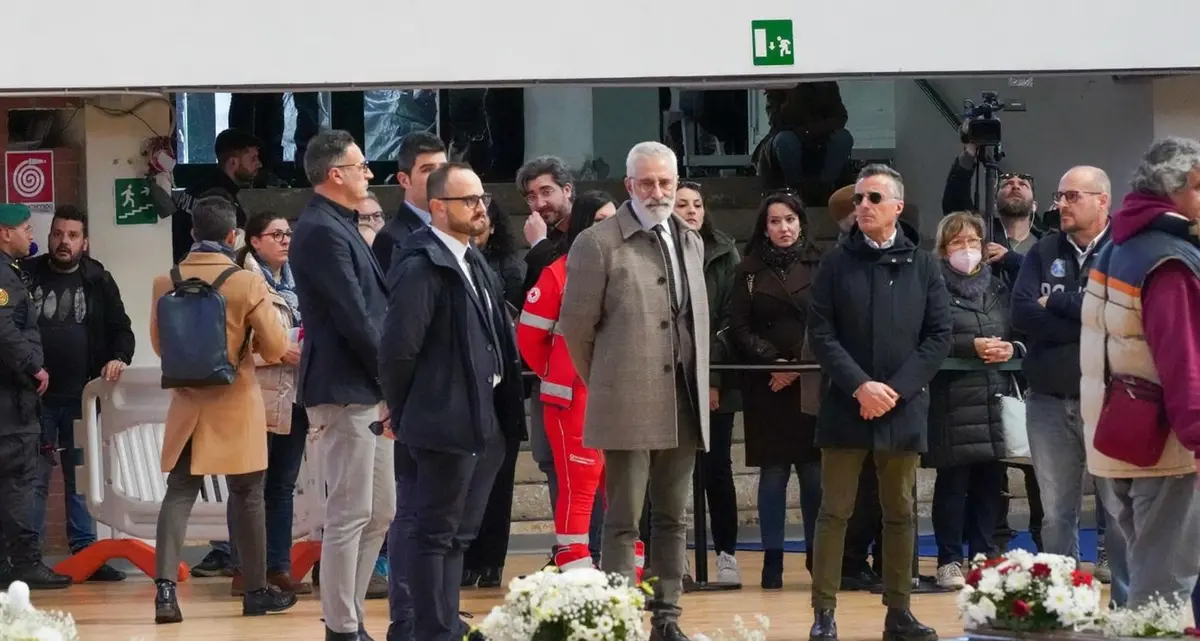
[224, 276]
[176, 277]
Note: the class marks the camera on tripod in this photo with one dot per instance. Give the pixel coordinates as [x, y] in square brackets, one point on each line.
[983, 127]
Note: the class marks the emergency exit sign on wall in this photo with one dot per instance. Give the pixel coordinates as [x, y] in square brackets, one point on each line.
[772, 43]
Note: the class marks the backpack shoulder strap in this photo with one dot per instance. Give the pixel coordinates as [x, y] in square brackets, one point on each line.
[176, 277]
[224, 276]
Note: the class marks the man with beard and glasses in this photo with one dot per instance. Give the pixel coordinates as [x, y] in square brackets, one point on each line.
[634, 302]
[86, 334]
[450, 372]
[546, 184]
[1013, 233]
[237, 166]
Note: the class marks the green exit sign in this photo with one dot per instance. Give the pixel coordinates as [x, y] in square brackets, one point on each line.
[772, 43]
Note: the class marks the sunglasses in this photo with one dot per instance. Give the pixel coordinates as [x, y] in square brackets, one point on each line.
[1005, 177]
[873, 196]
[1072, 196]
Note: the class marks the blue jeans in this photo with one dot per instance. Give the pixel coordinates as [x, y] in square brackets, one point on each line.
[789, 149]
[772, 502]
[58, 433]
[1057, 449]
[285, 453]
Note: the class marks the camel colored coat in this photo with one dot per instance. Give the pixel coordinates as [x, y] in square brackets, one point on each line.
[227, 425]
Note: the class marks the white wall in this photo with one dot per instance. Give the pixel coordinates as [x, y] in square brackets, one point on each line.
[134, 254]
[1071, 120]
[1177, 107]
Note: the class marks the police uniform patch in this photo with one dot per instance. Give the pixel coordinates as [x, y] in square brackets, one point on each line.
[1058, 268]
[3, 297]
[532, 297]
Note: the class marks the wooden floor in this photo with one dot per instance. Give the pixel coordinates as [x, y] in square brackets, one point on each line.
[125, 611]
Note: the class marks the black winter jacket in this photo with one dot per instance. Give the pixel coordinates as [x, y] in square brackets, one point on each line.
[878, 315]
[964, 409]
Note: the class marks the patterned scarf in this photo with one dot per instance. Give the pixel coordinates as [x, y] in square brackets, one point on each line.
[285, 286]
[213, 247]
[779, 259]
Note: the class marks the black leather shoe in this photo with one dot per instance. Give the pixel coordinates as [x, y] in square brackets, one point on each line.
[166, 603]
[863, 580]
[400, 631]
[330, 635]
[106, 574]
[901, 625]
[269, 599]
[667, 632]
[40, 577]
[491, 577]
[362, 634]
[824, 627]
[469, 578]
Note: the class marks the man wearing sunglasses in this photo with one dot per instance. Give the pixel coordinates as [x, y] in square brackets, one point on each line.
[879, 325]
[1013, 232]
[1046, 305]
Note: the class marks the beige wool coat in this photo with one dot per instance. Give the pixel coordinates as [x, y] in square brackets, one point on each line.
[614, 307]
[227, 425]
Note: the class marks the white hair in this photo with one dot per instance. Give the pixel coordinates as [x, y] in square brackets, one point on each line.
[649, 149]
[1165, 167]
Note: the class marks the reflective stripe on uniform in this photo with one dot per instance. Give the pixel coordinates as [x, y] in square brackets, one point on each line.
[537, 322]
[557, 391]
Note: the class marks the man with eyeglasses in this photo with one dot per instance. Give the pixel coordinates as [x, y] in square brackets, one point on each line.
[343, 299]
[452, 378]
[1046, 303]
[420, 153]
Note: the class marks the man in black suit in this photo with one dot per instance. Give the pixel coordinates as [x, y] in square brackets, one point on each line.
[420, 154]
[343, 301]
[451, 375]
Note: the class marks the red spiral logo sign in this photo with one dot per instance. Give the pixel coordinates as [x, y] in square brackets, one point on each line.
[29, 179]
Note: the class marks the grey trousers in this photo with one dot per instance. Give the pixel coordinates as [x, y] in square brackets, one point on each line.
[246, 509]
[360, 503]
[669, 474]
[1159, 522]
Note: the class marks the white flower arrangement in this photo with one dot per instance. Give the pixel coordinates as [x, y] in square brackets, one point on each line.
[20, 621]
[579, 605]
[740, 631]
[1029, 592]
[1157, 618]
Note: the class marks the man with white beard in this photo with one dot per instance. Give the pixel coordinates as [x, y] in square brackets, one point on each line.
[634, 303]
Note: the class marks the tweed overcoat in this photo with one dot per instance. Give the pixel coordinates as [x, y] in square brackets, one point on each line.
[616, 319]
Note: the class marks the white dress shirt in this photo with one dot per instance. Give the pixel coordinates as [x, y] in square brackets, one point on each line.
[459, 251]
[669, 236]
[885, 244]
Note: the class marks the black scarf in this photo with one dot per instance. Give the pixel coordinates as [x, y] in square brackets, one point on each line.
[968, 286]
[779, 259]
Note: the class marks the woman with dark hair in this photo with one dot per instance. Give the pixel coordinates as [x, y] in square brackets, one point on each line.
[721, 260]
[564, 397]
[497, 245]
[268, 236]
[768, 323]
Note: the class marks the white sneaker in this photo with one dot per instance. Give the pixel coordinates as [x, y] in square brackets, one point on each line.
[950, 576]
[728, 570]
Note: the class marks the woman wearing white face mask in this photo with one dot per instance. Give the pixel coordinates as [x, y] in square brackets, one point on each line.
[966, 437]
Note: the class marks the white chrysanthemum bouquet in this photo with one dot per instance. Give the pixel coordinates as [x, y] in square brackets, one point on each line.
[20, 621]
[1029, 592]
[1157, 618]
[580, 605]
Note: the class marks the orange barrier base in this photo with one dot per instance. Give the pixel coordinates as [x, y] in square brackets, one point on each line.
[83, 564]
[305, 555]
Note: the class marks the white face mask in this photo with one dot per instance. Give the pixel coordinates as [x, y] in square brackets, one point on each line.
[964, 261]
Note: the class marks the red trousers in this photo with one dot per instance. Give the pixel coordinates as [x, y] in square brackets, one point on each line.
[580, 471]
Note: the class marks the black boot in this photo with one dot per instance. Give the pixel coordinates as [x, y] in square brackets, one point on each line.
[330, 635]
[824, 627]
[40, 577]
[772, 570]
[469, 578]
[666, 632]
[491, 577]
[269, 599]
[901, 625]
[362, 634]
[166, 604]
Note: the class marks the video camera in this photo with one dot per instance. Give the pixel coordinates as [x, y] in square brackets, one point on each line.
[983, 127]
